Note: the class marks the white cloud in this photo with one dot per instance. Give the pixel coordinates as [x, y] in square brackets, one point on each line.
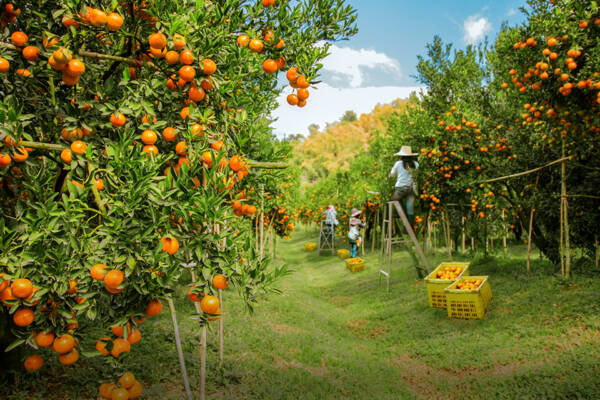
[475, 28]
[328, 104]
[351, 63]
[511, 12]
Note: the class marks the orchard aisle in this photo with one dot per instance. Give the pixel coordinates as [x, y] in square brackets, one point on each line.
[332, 334]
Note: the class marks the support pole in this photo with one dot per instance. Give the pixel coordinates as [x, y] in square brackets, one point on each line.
[221, 329]
[262, 221]
[202, 348]
[186, 382]
[529, 238]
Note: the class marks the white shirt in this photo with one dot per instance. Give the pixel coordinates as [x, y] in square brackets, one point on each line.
[403, 176]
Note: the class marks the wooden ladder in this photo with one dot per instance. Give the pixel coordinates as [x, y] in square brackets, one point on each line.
[326, 238]
[388, 240]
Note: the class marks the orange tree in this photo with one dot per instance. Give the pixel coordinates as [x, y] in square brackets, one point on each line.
[125, 128]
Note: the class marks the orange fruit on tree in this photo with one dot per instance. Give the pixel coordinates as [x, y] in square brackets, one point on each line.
[134, 336]
[169, 134]
[19, 38]
[4, 65]
[157, 40]
[181, 148]
[119, 330]
[120, 346]
[114, 22]
[97, 17]
[184, 113]
[303, 94]
[208, 66]
[69, 358]
[154, 307]
[209, 304]
[187, 73]
[6, 295]
[220, 282]
[197, 130]
[31, 53]
[206, 84]
[127, 380]
[292, 74]
[269, 66]
[62, 56]
[78, 147]
[170, 245]
[119, 394]
[117, 119]
[243, 40]
[302, 82]
[178, 41]
[218, 313]
[97, 272]
[20, 155]
[149, 137]
[158, 53]
[218, 145]
[106, 389]
[101, 345]
[301, 103]
[186, 57]
[23, 317]
[135, 391]
[23, 72]
[44, 339]
[195, 93]
[280, 62]
[193, 296]
[235, 163]
[22, 288]
[150, 149]
[256, 45]
[5, 160]
[172, 57]
[114, 278]
[63, 344]
[99, 183]
[33, 362]
[75, 67]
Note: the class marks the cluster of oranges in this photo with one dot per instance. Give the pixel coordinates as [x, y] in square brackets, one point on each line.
[112, 279]
[355, 260]
[209, 304]
[10, 15]
[299, 82]
[448, 273]
[469, 284]
[19, 155]
[129, 388]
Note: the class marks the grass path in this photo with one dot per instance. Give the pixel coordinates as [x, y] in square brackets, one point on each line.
[333, 334]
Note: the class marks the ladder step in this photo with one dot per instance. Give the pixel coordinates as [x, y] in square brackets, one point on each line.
[384, 273]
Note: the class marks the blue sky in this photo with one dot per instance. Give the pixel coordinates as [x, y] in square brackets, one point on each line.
[376, 65]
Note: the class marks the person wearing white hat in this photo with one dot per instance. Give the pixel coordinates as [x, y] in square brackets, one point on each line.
[404, 187]
[331, 221]
[354, 231]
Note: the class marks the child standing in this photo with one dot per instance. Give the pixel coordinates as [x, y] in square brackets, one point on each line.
[354, 232]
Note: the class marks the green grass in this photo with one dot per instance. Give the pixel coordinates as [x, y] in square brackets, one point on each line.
[333, 334]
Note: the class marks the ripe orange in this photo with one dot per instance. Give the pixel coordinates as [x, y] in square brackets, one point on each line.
[303, 94]
[5, 160]
[206, 84]
[209, 304]
[186, 57]
[301, 103]
[218, 145]
[134, 336]
[22, 288]
[172, 57]
[280, 62]
[63, 344]
[127, 380]
[44, 339]
[97, 17]
[135, 391]
[23, 317]
[4, 65]
[99, 183]
[170, 245]
[119, 394]
[78, 147]
[114, 22]
[208, 66]
[292, 74]
[97, 272]
[69, 358]
[149, 137]
[181, 148]
[197, 130]
[20, 155]
[117, 119]
[106, 389]
[101, 345]
[158, 53]
[113, 278]
[184, 113]
[157, 40]
[120, 346]
[31, 53]
[220, 282]
[154, 307]
[75, 67]
[33, 362]
[193, 296]
[187, 73]
[256, 45]
[195, 93]
[243, 40]
[178, 41]
[169, 134]
[19, 38]
[269, 66]
[302, 82]
[7, 295]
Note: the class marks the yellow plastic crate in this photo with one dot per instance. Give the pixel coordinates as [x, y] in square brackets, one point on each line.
[310, 246]
[343, 253]
[468, 303]
[355, 264]
[435, 286]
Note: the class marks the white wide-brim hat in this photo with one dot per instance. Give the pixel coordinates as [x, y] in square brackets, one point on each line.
[355, 212]
[406, 151]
